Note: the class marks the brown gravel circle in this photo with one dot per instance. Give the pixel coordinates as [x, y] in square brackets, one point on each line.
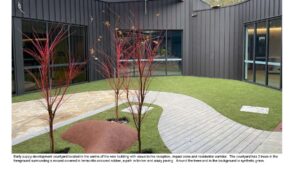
[97, 136]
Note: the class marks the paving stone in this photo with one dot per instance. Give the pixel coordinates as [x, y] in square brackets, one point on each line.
[135, 109]
[248, 140]
[32, 113]
[253, 109]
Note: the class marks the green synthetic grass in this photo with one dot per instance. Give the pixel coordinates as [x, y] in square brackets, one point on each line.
[226, 96]
[150, 135]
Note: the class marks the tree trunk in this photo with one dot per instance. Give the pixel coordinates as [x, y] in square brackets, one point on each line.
[51, 136]
[117, 105]
[140, 140]
[140, 126]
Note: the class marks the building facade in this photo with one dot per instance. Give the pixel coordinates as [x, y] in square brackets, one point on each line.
[241, 41]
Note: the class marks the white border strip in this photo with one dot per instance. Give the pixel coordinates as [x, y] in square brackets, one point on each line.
[158, 59]
[263, 62]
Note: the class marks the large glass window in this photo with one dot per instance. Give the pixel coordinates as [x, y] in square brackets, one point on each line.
[169, 55]
[160, 68]
[73, 46]
[260, 53]
[174, 52]
[61, 53]
[29, 83]
[249, 42]
[77, 43]
[262, 58]
[31, 29]
[274, 62]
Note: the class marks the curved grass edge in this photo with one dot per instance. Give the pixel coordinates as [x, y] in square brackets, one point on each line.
[150, 135]
[225, 96]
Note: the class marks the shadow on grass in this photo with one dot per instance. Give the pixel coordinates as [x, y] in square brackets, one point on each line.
[143, 151]
[60, 151]
[122, 120]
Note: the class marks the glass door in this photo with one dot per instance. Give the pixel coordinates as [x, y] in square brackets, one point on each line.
[260, 53]
[275, 51]
[263, 52]
[249, 43]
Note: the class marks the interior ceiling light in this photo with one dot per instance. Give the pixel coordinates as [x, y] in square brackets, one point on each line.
[264, 30]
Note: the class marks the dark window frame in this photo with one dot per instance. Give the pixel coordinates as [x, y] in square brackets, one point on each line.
[166, 44]
[85, 46]
[267, 21]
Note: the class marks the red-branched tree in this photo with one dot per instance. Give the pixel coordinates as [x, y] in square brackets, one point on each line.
[114, 68]
[143, 49]
[52, 91]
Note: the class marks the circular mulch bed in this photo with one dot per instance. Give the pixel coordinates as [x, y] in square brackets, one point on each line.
[97, 136]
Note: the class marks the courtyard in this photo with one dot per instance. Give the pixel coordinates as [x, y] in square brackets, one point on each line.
[146, 76]
[190, 115]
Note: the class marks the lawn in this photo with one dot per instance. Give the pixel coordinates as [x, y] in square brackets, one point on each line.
[150, 135]
[226, 96]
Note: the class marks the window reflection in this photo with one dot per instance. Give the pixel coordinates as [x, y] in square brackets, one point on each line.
[73, 46]
[29, 82]
[30, 30]
[77, 38]
[174, 55]
[268, 53]
[275, 51]
[249, 42]
[260, 53]
[168, 60]
[61, 54]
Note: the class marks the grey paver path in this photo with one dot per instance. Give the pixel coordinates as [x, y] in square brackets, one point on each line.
[188, 125]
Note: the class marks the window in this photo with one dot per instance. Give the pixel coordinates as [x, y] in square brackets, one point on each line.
[169, 55]
[61, 53]
[72, 46]
[263, 55]
[249, 43]
[28, 29]
[260, 53]
[274, 62]
[174, 53]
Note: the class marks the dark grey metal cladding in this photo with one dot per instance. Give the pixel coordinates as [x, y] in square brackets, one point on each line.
[166, 14]
[186, 35]
[161, 15]
[18, 56]
[13, 8]
[212, 39]
[77, 12]
[67, 11]
[221, 31]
